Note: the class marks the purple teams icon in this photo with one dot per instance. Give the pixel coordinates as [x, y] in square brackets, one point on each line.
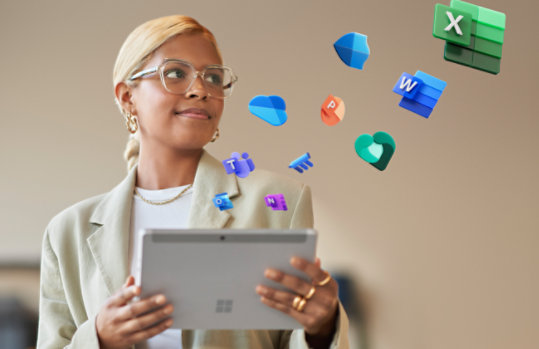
[240, 166]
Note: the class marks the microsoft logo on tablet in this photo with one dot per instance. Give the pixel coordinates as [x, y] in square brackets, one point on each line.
[224, 306]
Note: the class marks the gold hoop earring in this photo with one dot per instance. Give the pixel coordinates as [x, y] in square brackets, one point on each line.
[131, 123]
[216, 135]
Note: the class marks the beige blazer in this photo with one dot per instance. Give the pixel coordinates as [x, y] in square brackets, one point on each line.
[85, 255]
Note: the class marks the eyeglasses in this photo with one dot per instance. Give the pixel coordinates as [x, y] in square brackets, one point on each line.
[177, 77]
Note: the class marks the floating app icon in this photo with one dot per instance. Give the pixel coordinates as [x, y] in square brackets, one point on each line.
[271, 109]
[276, 202]
[376, 150]
[222, 201]
[302, 163]
[420, 92]
[240, 166]
[473, 34]
[353, 49]
[452, 25]
[332, 110]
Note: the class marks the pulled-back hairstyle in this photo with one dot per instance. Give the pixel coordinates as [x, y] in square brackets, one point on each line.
[138, 48]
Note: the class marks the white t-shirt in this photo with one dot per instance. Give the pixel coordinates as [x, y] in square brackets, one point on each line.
[144, 215]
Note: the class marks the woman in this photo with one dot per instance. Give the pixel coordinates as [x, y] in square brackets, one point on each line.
[170, 85]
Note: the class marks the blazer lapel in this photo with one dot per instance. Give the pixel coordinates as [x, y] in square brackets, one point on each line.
[110, 242]
[210, 179]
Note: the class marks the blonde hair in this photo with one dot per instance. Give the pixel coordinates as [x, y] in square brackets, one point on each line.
[138, 48]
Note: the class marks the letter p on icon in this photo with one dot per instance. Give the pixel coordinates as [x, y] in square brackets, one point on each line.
[331, 104]
[332, 110]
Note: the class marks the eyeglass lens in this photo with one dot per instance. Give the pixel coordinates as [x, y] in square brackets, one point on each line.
[177, 77]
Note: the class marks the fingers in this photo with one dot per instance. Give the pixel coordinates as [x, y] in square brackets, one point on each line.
[123, 321]
[291, 282]
[124, 295]
[300, 317]
[130, 281]
[141, 307]
[317, 304]
[311, 269]
[318, 262]
[287, 299]
[150, 332]
[275, 295]
[148, 320]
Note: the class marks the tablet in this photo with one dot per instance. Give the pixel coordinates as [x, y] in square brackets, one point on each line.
[210, 276]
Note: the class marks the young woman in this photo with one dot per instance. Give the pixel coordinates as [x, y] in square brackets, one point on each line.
[170, 85]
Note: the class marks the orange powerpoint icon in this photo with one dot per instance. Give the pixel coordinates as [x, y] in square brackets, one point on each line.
[332, 110]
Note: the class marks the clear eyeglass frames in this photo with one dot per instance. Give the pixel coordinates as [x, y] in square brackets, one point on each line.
[178, 76]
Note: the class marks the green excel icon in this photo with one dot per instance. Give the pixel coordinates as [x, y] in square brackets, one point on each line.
[483, 48]
[376, 150]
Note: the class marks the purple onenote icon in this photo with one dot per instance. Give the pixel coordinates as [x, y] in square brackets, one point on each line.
[276, 202]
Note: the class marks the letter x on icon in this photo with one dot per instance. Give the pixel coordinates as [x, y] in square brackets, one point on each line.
[454, 23]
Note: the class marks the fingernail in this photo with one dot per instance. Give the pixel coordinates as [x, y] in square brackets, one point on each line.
[261, 290]
[169, 322]
[271, 273]
[160, 299]
[168, 309]
[295, 261]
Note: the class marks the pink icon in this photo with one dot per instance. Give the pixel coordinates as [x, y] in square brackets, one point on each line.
[276, 202]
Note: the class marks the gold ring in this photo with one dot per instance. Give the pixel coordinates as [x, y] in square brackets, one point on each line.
[311, 293]
[325, 281]
[301, 305]
[296, 302]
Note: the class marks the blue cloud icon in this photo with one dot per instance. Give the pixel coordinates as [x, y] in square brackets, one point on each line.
[271, 109]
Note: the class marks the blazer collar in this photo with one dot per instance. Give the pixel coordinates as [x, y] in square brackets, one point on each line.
[110, 241]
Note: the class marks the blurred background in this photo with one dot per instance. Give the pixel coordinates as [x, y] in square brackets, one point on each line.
[440, 250]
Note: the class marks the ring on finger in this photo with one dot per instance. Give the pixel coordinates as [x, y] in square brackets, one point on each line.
[301, 305]
[310, 293]
[325, 281]
[296, 302]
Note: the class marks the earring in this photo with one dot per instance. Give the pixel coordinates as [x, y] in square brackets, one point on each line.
[215, 136]
[131, 123]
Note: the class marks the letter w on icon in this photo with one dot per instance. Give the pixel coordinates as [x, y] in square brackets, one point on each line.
[407, 84]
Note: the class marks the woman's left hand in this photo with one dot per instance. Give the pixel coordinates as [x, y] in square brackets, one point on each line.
[314, 305]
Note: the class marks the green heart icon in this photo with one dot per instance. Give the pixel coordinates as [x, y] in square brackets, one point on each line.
[376, 150]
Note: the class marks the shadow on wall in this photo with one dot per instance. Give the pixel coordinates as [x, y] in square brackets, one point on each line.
[18, 325]
[349, 296]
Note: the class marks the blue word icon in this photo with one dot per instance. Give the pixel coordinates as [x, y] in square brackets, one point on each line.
[241, 167]
[222, 201]
[353, 49]
[420, 92]
[271, 109]
[301, 162]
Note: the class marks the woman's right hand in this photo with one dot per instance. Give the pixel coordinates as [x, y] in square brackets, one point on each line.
[120, 324]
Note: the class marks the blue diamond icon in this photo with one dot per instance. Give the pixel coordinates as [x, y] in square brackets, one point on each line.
[353, 49]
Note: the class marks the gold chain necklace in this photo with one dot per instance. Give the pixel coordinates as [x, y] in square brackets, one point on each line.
[163, 202]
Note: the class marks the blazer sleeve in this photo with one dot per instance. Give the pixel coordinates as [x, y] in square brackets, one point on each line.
[56, 328]
[303, 218]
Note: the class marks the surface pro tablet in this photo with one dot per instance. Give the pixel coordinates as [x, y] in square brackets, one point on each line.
[210, 276]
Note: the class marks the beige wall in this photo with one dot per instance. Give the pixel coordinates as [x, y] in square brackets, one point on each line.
[444, 244]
